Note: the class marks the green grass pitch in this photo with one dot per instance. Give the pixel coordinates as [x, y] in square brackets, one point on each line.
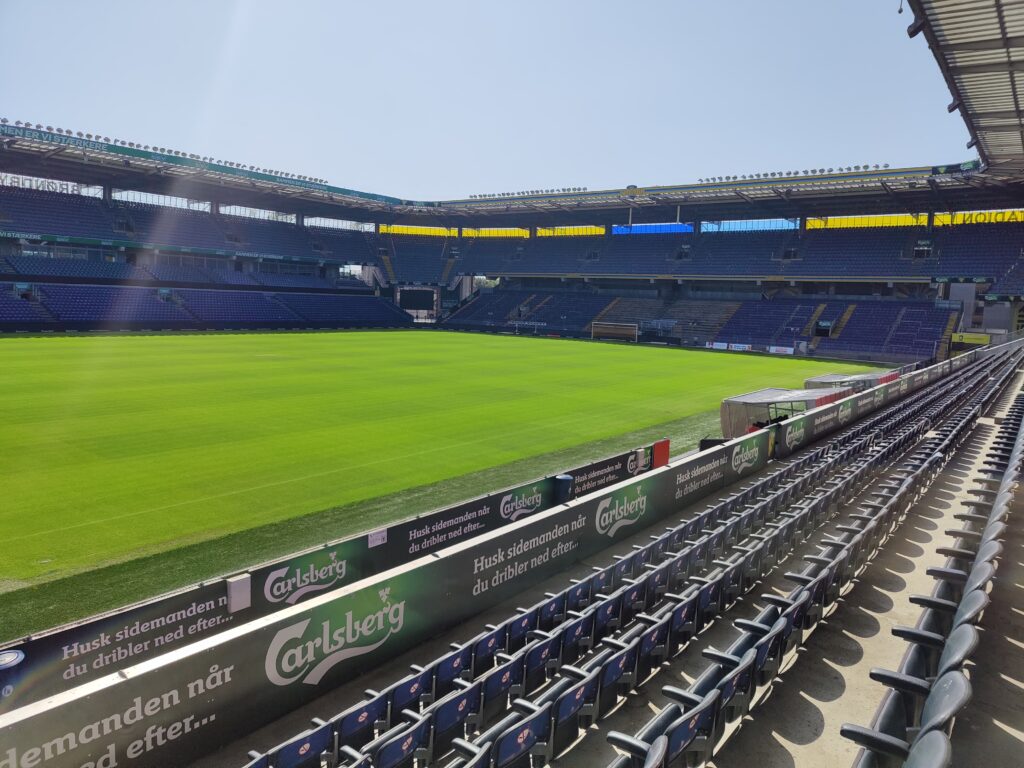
[116, 448]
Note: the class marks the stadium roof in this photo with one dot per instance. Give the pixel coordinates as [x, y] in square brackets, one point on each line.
[821, 192]
[979, 46]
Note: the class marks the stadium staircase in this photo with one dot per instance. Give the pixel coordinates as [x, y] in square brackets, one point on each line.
[809, 328]
[524, 309]
[838, 329]
[177, 299]
[41, 310]
[389, 268]
[603, 313]
[947, 334]
[446, 273]
[1010, 281]
[894, 327]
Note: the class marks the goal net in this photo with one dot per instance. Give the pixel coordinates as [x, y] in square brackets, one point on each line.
[621, 331]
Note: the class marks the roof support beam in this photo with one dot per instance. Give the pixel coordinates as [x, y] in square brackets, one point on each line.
[993, 68]
[997, 114]
[992, 44]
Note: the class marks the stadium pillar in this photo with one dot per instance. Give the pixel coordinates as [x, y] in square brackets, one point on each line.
[931, 220]
[300, 219]
[108, 193]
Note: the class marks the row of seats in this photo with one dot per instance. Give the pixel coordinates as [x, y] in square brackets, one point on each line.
[931, 686]
[701, 718]
[36, 267]
[114, 307]
[577, 652]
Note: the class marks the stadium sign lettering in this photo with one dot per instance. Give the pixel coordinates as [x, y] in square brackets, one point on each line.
[31, 134]
[991, 217]
[619, 510]
[795, 434]
[879, 397]
[845, 411]
[47, 185]
[515, 505]
[287, 585]
[295, 655]
[743, 457]
[635, 467]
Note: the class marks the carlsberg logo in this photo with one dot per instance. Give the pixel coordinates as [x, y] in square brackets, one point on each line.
[879, 396]
[845, 412]
[745, 455]
[308, 653]
[289, 586]
[795, 434]
[621, 510]
[517, 504]
[635, 467]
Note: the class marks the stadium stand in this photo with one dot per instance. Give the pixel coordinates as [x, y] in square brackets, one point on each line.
[286, 280]
[177, 274]
[34, 211]
[930, 688]
[344, 311]
[245, 308]
[163, 225]
[108, 306]
[57, 306]
[533, 688]
[416, 259]
[896, 326]
[76, 268]
[14, 309]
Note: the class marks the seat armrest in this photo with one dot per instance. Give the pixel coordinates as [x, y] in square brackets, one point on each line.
[628, 744]
[935, 603]
[753, 627]
[727, 660]
[901, 682]
[683, 697]
[919, 636]
[875, 741]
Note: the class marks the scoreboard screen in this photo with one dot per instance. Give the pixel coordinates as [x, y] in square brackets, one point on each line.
[416, 299]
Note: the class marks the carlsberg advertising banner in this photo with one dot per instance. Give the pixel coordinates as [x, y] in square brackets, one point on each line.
[167, 711]
[815, 424]
[86, 651]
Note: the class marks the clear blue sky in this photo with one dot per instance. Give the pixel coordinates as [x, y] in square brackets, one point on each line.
[431, 100]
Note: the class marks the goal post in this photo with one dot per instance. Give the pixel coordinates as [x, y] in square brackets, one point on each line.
[619, 331]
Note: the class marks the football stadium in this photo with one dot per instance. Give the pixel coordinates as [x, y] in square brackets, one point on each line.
[719, 473]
